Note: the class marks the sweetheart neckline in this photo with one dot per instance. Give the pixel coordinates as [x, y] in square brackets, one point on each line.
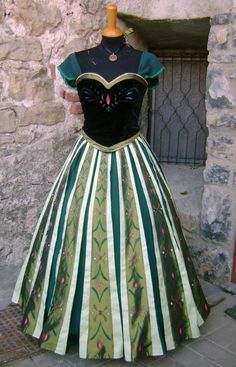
[109, 84]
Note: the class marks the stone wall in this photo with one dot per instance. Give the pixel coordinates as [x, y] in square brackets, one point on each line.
[37, 126]
[218, 218]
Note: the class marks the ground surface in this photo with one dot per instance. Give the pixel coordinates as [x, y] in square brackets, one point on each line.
[215, 347]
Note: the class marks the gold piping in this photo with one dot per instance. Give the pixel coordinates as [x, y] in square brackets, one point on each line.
[110, 84]
[111, 148]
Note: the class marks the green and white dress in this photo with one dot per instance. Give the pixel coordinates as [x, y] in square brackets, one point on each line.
[108, 267]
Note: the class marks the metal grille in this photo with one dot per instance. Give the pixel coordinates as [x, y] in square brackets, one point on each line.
[177, 130]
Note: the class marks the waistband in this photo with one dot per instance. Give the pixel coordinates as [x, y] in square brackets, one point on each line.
[111, 148]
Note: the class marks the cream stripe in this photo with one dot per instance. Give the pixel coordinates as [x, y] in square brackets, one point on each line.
[84, 318]
[40, 319]
[156, 342]
[162, 290]
[17, 289]
[190, 304]
[61, 344]
[115, 309]
[123, 279]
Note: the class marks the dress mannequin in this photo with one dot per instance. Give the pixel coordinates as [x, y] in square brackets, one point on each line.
[108, 266]
[97, 60]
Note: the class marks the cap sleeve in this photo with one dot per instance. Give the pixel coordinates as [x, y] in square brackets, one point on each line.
[150, 68]
[70, 70]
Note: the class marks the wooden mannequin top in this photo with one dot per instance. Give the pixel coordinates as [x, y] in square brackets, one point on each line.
[112, 30]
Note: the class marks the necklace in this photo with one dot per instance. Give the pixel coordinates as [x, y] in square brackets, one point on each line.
[113, 57]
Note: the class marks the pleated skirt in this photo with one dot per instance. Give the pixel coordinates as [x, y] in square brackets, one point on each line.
[108, 267]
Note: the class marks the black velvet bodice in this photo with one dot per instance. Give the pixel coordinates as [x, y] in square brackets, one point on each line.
[111, 109]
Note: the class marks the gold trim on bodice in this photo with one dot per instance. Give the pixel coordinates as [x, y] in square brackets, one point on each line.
[110, 84]
[111, 148]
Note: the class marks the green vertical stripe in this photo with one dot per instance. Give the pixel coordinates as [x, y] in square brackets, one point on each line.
[151, 252]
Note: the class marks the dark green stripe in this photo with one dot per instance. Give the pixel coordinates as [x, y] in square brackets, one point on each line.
[148, 229]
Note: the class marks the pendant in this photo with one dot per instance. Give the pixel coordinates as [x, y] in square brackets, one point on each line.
[113, 57]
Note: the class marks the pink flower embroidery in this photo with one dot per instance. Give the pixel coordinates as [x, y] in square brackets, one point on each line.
[206, 306]
[136, 284]
[108, 99]
[62, 280]
[45, 337]
[180, 331]
[189, 259]
[99, 284]
[140, 347]
[162, 230]
[172, 274]
[132, 235]
[26, 321]
[100, 346]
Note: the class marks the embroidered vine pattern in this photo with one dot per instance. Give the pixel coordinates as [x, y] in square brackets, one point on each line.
[109, 100]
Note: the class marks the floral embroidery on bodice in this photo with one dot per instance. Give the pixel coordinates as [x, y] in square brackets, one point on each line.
[111, 109]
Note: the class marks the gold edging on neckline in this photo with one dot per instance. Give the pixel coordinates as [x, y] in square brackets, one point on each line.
[111, 148]
[110, 84]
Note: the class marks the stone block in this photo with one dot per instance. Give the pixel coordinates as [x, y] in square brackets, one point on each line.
[216, 174]
[218, 39]
[20, 49]
[212, 57]
[221, 19]
[6, 139]
[69, 96]
[47, 113]
[216, 212]
[36, 17]
[7, 121]
[211, 262]
[218, 90]
[224, 120]
[30, 84]
[221, 146]
[52, 68]
[75, 108]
